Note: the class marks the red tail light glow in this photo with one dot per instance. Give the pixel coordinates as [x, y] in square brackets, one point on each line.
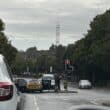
[6, 91]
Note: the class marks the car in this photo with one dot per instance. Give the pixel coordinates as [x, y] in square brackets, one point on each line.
[8, 90]
[85, 84]
[34, 85]
[48, 81]
[21, 84]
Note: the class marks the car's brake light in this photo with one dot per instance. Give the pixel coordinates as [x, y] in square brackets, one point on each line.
[6, 91]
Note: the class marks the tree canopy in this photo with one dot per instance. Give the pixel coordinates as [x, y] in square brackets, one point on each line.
[92, 53]
[5, 47]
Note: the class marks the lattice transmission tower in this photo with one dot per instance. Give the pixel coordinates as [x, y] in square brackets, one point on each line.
[57, 33]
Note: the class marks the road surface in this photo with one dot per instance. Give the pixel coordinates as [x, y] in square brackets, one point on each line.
[64, 101]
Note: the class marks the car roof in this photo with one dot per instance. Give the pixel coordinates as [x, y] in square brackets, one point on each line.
[84, 80]
[26, 79]
[48, 75]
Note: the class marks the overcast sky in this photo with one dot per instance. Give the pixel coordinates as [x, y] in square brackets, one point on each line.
[33, 22]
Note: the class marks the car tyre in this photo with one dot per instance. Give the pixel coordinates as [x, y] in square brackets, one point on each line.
[41, 91]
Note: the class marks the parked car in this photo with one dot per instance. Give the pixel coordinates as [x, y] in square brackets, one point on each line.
[48, 81]
[34, 85]
[85, 84]
[8, 90]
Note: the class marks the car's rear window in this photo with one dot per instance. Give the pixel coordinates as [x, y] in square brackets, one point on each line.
[33, 81]
[48, 78]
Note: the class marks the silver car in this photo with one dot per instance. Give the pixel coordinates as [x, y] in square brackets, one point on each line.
[85, 84]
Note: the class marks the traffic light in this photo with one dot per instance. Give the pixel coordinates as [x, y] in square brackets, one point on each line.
[69, 67]
[67, 61]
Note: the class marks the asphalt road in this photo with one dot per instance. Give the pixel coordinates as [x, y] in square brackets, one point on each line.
[64, 101]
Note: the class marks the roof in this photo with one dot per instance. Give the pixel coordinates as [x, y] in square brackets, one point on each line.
[48, 75]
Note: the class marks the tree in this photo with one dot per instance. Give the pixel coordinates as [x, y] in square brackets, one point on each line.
[2, 26]
[19, 65]
[92, 53]
[52, 48]
[69, 52]
[60, 52]
[5, 47]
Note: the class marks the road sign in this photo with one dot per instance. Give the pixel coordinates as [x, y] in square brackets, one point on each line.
[51, 69]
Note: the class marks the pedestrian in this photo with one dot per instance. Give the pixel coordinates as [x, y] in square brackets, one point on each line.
[57, 81]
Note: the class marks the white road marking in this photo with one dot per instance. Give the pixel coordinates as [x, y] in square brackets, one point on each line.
[94, 102]
[35, 102]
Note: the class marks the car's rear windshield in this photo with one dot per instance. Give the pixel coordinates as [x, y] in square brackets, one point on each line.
[48, 78]
[33, 81]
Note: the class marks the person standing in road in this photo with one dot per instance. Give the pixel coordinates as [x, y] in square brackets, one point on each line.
[57, 81]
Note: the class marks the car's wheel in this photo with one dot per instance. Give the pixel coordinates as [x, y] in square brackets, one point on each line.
[79, 87]
[41, 91]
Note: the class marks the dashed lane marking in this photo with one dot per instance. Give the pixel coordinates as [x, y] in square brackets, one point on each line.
[35, 102]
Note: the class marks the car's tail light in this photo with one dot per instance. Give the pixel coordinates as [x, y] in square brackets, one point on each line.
[6, 91]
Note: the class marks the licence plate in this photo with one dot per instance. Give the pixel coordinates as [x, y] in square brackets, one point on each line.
[33, 87]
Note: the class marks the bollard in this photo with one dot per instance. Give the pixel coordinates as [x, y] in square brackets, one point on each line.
[65, 85]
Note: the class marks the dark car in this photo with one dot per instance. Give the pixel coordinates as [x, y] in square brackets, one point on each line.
[21, 84]
[48, 81]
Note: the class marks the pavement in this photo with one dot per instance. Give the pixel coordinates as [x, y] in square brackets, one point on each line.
[66, 100]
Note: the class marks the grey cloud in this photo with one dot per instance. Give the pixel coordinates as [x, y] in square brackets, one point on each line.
[38, 17]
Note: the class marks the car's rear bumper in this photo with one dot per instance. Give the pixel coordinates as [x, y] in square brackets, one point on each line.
[33, 89]
[46, 87]
[85, 87]
[8, 105]
[37, 88]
